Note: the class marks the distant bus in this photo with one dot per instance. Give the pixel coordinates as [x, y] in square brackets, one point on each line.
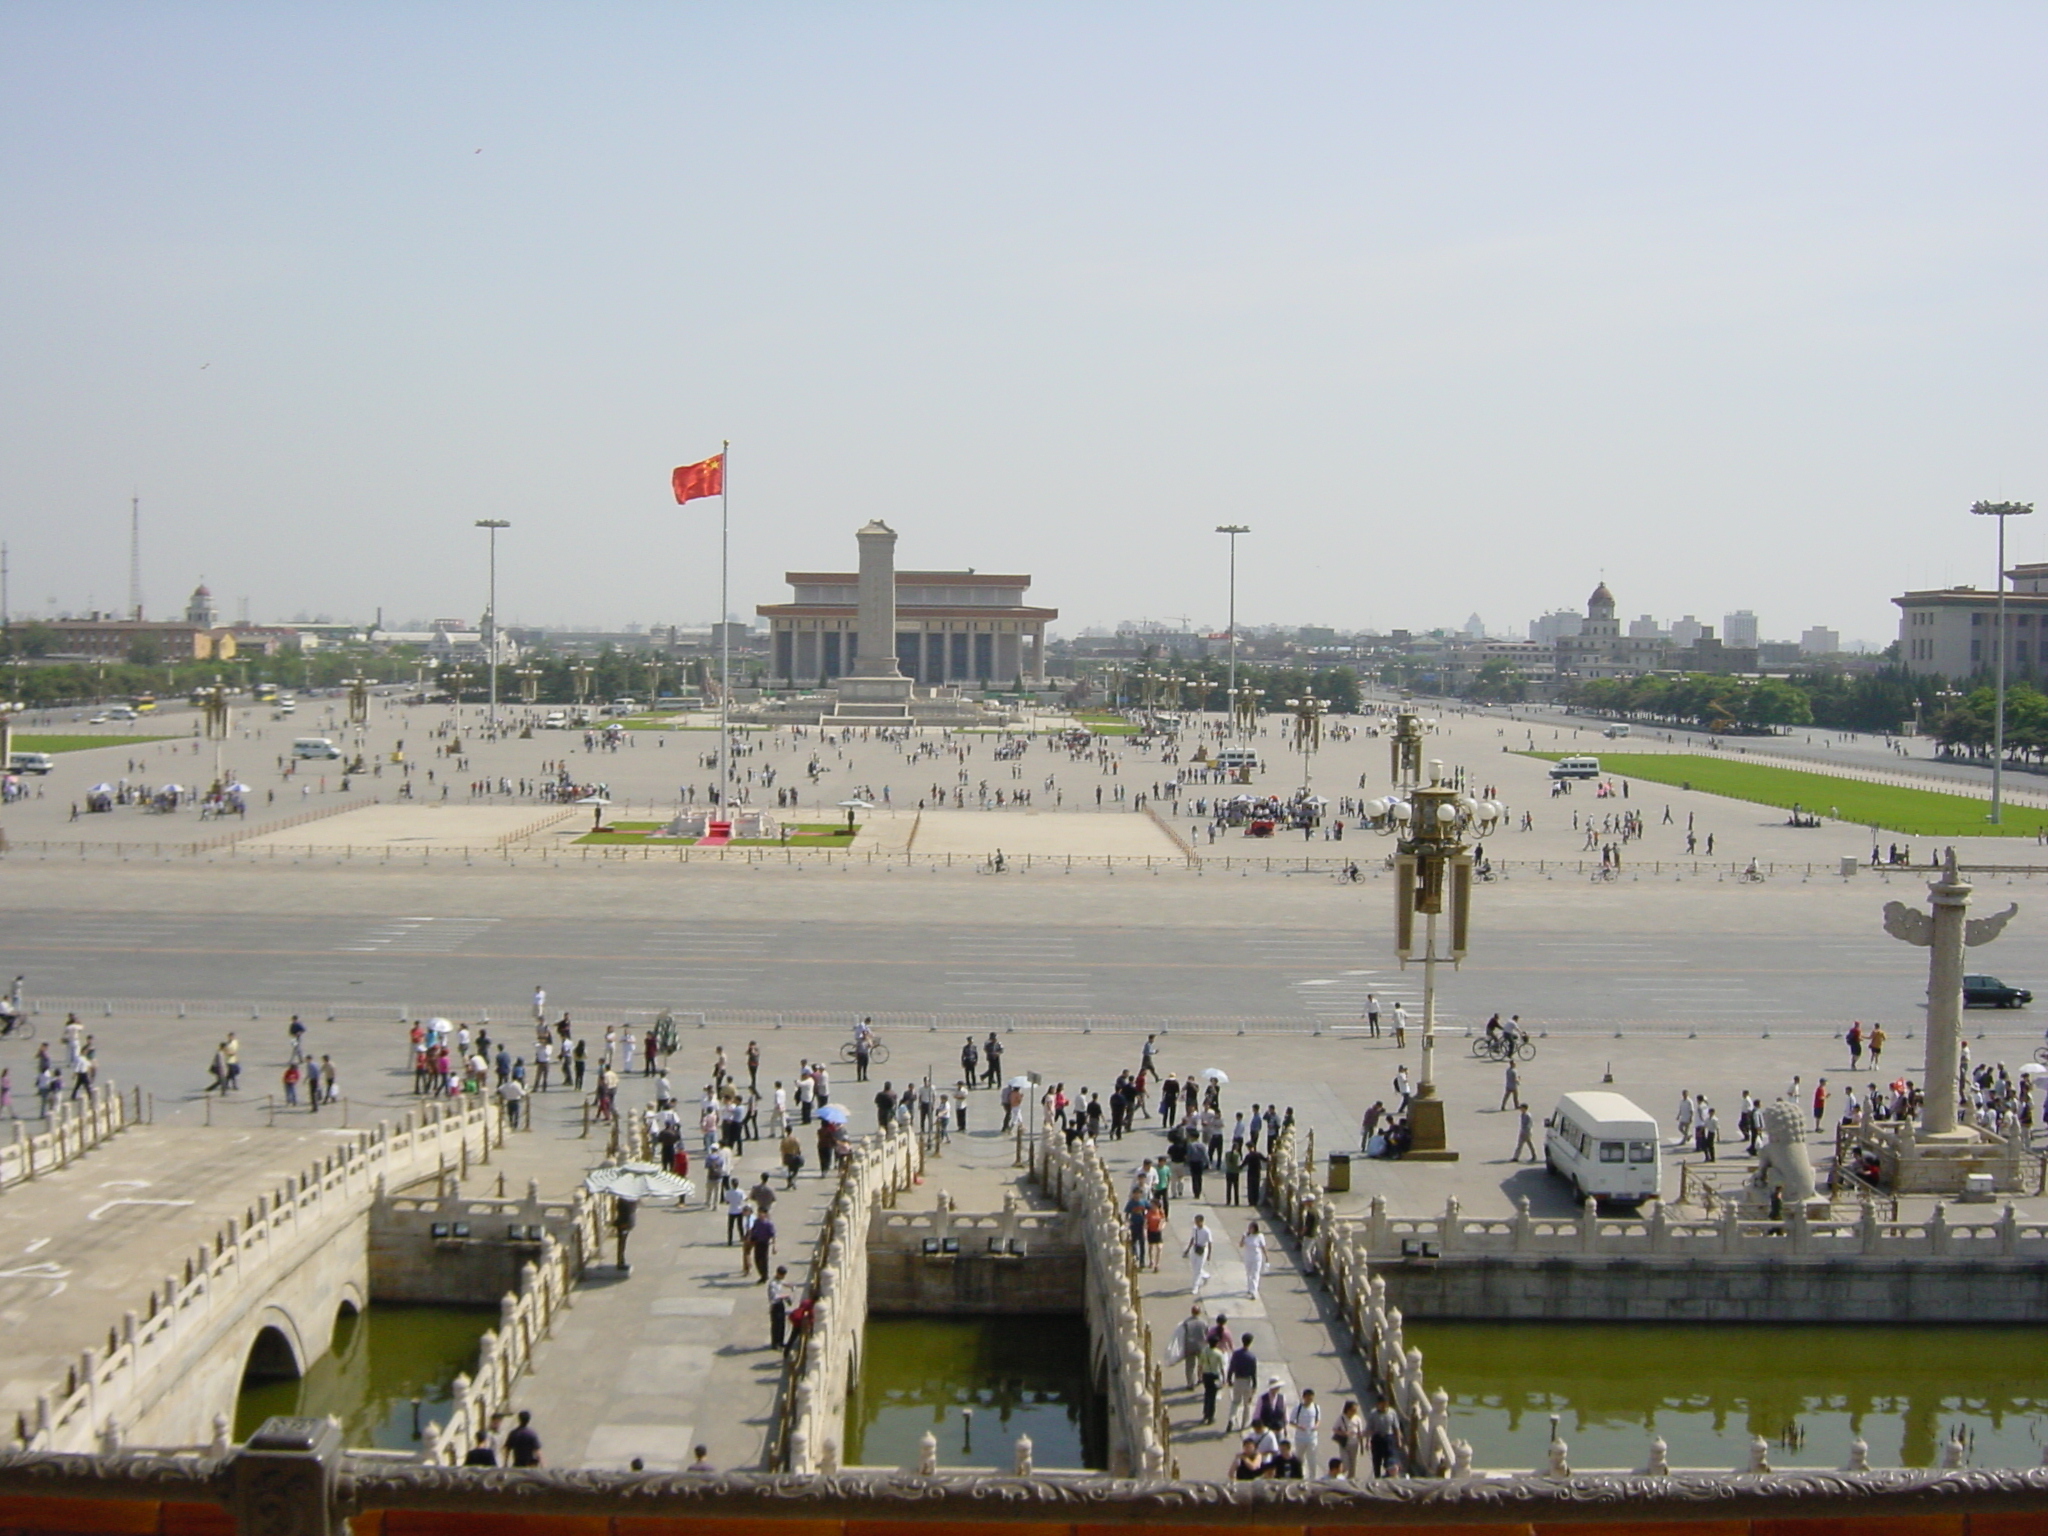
[144, 703]
[265, 692]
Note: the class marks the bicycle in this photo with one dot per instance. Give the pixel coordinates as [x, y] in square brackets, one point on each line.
[20, 1027]
[1489, 1047]
[878, 1053]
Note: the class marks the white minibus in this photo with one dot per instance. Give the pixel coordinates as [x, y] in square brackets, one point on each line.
[1605, 1147]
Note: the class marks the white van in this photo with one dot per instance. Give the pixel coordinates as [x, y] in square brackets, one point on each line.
[1615, 732]
[1605, 1147]
[30, 762]
[1575, 768]
[1234, 758]
[315, 746]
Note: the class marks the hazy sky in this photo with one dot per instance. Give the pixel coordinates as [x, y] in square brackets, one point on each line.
[1460, 306]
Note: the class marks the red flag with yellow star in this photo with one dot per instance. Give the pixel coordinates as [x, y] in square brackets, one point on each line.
[705, 478]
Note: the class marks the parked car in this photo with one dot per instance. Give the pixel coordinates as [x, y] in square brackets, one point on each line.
[1990, 992]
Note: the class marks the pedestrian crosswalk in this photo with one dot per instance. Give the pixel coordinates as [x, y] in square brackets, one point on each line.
[416, 935]
[1015, 973]
[685, 968]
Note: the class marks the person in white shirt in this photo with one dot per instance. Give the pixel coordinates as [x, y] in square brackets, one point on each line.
[1307, 1420]
[1197, 1254]
[1254, 1250]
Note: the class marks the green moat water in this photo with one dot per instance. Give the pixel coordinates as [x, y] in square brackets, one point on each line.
[1020, 1375]
[1707, 1390]
[381, 1360]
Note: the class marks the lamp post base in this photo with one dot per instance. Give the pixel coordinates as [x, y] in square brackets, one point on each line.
[1427, 1142]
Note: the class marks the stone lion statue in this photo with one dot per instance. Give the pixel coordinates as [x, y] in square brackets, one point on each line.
[1783, 1164]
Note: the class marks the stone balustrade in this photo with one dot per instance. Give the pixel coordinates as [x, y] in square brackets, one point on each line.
[972, 1230]
[1075, 1175]
[74, 1129]
[872, 1173]
[1728, 1234]
[526, 1317]
[152, 1347]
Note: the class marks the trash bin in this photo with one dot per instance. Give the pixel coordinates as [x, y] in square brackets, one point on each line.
[1850, 864]
[1340, 1173]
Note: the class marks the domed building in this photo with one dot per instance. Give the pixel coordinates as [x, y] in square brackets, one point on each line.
[1600, 649]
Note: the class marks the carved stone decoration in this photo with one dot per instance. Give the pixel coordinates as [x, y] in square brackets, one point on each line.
[1503, 1500]
[283, 1481]
[1982, 930]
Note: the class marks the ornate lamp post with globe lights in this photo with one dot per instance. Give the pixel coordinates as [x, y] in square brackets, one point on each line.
[1244, 709]
[1432, 879]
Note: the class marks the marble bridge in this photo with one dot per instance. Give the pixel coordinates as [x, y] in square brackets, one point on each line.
[177, 1315]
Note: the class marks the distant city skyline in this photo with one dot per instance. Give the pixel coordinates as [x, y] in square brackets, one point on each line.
[1457, 308]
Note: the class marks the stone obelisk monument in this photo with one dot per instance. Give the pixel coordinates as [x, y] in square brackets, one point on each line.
[874, 677]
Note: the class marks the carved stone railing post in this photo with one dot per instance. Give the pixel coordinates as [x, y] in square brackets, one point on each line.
[282, 1483]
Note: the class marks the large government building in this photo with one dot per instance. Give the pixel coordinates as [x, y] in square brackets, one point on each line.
[951, 627]
[1950, 631]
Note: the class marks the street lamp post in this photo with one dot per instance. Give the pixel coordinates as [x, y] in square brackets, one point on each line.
[2000, 510]
[1233, 530]
[1308, 730]
[1432, 879]
[491, 613]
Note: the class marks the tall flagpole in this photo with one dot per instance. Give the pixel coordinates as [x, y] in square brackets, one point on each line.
[724, 639]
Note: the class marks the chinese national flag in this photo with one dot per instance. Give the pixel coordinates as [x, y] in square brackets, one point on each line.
[706, 478]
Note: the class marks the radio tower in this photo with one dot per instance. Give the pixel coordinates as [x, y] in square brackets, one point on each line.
[135, 558]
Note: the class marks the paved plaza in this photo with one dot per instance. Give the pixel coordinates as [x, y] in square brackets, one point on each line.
[1674, 977]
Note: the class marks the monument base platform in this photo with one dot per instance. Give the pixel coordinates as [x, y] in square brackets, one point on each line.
[874, 690]
[1428, 1141]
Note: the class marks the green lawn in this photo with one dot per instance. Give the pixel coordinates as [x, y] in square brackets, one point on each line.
[1106, 725]
[802, 834]
[26, 743]
[1914, 812]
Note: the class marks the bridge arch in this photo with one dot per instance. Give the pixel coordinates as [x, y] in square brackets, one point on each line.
[278, 1351]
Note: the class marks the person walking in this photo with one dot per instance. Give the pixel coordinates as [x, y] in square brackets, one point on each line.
[1710, 1133]
[1233, 1170]
[1213, 1364]
[1855, 1039]
[1875, 1040]
[1382, 1434]
[1253, 1251]
[1820, 1104]
[761, 1236]
[1196, 1252]
[1526, 1140]
[522, 1446]
[1400, 1027]
[779, 1297]
[1254, 1172]
[1511, 1088]
[1306, 1421]
[1243, 1375]
[1372, 1016]
[1190, 1336]
[1350, 1436]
